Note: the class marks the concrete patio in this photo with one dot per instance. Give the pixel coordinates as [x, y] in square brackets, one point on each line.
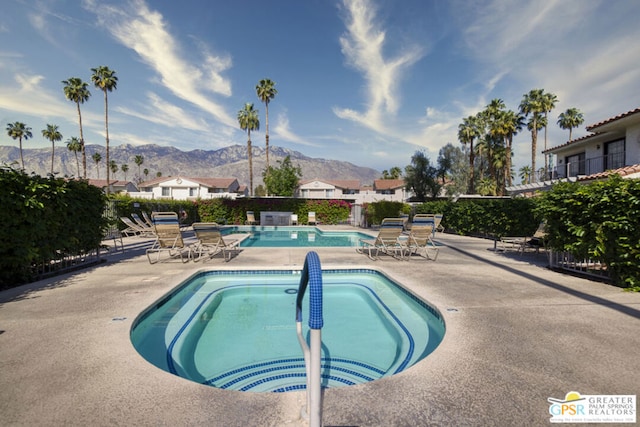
[517, 333]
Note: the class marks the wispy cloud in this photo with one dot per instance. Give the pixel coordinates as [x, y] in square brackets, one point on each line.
[146, 32]
[282, 131]
[362, 46]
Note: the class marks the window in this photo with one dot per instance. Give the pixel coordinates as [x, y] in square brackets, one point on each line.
[330, 193]
[193, 191]
[614, 154]
[575, 164]
[305, 194]
[166, 191]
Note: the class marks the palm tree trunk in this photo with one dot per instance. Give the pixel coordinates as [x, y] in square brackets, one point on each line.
[250, 164]
[106, 128]
[472, 160]
[84, 156]
[53, 149]
[77, 163]
[21, 158]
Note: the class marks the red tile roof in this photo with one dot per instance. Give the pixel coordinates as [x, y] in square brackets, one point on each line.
[613, 119]
[388, 184]
[623, 171]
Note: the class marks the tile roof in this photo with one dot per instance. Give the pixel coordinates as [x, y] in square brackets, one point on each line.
[388, 184]
[623, 171]
[613, 119]
[207, 182]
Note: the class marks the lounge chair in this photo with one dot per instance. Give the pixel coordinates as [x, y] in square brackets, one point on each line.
[388, 240]
[251, 219]
[521, 243]
[419, 239]
[134, 229]
[312, 219]
[209, 240]
[142, 223]
[293, 220]
[168, 237]
[436, 219]
[147, 219]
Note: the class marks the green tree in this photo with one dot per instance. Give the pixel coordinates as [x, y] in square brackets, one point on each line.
[549, 101]
[248, 120]
[19, 131]
[73, 144]
[422, 178]
[266, 91]
[52, 134]
[260, 191]
[532, 106]
[158, 174]
[570, 119]
[125, 169]
[525, 174]
[146, 173]
[97, 158]
[105, 79]
[468, 131]
[282, 180]
[75, 90]
[114, 167]
[535, 124]
[139, 160]
[393, 173]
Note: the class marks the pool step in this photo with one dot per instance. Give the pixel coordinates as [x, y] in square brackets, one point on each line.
[289, 375]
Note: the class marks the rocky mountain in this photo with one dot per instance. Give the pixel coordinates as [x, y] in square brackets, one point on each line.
[226, 162]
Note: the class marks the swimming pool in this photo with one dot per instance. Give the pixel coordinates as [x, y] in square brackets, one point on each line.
[236, 329]
[299, 236]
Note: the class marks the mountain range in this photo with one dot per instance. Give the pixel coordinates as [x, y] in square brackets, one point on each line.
[169, 161]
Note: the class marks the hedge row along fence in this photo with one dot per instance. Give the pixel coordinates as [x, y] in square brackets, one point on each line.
[45, 220]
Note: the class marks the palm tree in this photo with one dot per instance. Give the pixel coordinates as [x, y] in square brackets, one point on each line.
[532, 104]
[114, 167]
[73, 144]
[52, 134]
[266, 91]
[525, 174]
[76, 90]
[145, 171]
[548, 103]
[570, 119]
[535, 123]
[125, 169]
[248, 120]
[97, 157]
[510, 124]
[105, 79]
[19, 131]
[139, 160]
[469, 130]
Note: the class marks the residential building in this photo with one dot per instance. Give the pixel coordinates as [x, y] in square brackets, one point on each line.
[115, 186]
[190, 188]
[353, 191]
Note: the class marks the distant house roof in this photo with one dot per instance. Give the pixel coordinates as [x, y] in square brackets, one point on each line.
[632, 171]
[102, 183]
[206, 182]
[349, 184]
[388, 184]
[592, 128]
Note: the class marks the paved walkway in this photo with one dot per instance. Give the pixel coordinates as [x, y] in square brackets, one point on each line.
[517, 333]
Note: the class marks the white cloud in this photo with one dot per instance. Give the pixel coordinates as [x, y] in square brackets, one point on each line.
[283, 132]
[157, 110]
[146, 32]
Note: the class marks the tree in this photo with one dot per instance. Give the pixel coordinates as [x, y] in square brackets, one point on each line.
[283, 180]
[105, 79]
[548, 103]
[468, 131]
[97, 157]
[158, 174]
[570, 119]
[52, 134]
[532, 105]
[525, 174]
[248, 120]
[146, 173]
[125, 169]
[139, 160]
[113, 166]
[535, 124]
[75, 90]
[422, 178]
[445, 161]
[266, 91]
[73, 144]
[19, 131]
[393, 173]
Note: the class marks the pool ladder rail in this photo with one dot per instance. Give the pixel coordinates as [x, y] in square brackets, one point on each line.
[312, 276]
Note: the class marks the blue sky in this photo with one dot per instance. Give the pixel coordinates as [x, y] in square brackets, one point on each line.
[366, 81]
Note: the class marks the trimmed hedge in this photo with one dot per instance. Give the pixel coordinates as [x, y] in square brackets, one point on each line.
[44, 220]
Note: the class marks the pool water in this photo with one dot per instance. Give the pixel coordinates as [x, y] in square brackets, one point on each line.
[281, 237]
[236, 329]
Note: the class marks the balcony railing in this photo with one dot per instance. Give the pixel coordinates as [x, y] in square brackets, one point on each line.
[589, 166]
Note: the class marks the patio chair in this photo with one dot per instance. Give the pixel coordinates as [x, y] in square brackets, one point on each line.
[209, 241]
[521, 243]
[312, 219]
[142, 223]
[435, 219]
[293, 220]
[134, 229]
[251, 219]
[147, 219]
[168, 237]
[387, 241]
[420, 239]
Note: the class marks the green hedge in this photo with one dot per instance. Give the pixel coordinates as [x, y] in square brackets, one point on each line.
[45, 219]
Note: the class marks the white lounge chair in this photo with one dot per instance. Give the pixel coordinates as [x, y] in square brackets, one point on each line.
[419, 239]
[168, 237]
[209, 241]
[312, 219]
[387, 241]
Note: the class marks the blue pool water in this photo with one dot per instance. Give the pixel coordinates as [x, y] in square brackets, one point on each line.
[280, 237]
[236, 329]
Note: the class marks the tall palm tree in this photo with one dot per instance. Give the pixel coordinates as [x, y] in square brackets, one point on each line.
[114, 168]
[19, 131]
[105, 79]
[52, 134]
[248, 120]
[97, 158]
[266, 91]
[73, 144]
[139, 160]
[525, 174]
[535, 124]
[548, 103]
[510, 124]
[125, 169]
[468, 131]
[532, 105]
[570, 119]
[75, 90]
[145, 171]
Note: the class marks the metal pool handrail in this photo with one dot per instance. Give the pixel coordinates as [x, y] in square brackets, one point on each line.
[312, 275]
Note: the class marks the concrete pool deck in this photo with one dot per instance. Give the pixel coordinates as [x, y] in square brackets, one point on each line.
[517, 334]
